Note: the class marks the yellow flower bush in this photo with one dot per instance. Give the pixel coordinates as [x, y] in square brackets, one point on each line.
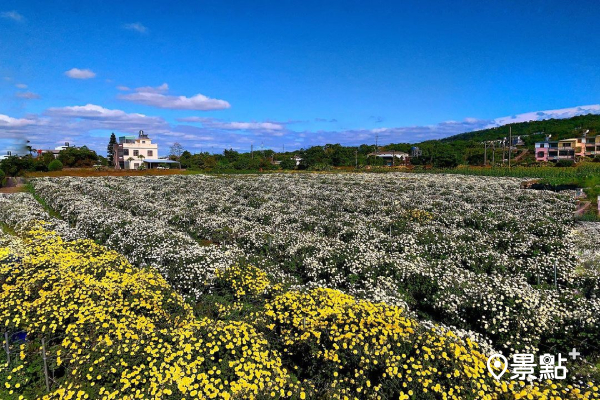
[244, 280]
[121, 332]
[417, 215]
[124, 332]
[361, 349]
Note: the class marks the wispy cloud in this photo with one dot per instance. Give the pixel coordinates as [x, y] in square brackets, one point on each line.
[91, 125]
[27, 95]
[79, 124]
[239, 126]
[547, 114]
[156, 97]
[164, 88]
[21, 86]
[123, 88]
[136, 26]
[15, 16]
[76, 73]
[101, 117]
[9, 122]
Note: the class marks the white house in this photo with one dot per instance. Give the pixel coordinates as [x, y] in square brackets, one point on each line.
[132, 152]
[392, 158]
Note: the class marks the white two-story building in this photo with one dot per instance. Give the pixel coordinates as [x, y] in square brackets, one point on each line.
[132, 152]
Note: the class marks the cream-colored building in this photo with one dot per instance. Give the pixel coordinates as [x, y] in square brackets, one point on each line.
[132, 152]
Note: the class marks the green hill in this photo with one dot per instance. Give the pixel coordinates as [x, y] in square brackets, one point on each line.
[534, 131]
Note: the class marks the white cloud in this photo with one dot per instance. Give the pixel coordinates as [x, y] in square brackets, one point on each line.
[9, 122]
[245, 126]
[547, 114]
[15, 16]
[269, 126]
[21, 86]
[195, 119]
[105, 116]
[136, 26]
[80, 124]
[155, 97]
[164, 88]
[123, 88]
[77, 73]
[27, 95]
[91, 125]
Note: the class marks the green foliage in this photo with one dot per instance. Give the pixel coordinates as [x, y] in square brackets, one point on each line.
[288, 163]
[584, 175]
[47, 158]
[2, 176]
[320, 167]
[110, 149]
[55, 165]
[564, 163]
[78, 157]
[16, 166]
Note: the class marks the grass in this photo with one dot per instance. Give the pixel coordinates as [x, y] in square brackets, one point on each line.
[585, 175]
[49, 210]
[554, 175]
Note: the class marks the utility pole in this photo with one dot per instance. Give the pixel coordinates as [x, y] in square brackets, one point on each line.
[376, 140]
[493, 153]
[252, 151]
[509, 144]
[485, 154]
[356, 158]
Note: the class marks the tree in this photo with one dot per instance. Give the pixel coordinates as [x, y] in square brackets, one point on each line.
[78, 157]
[110, 150]
[176, 150]
[288, 163]
[29, 148]
[142, 165]
[55, 165]
[2, 176]
[15, 166]
[47, 158]
[186, 159]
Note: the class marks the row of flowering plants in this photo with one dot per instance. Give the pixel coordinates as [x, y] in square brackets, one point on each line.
[493, 261]
[125, 333]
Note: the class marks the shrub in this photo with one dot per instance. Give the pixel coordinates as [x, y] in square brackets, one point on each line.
[2, 176]
[564, 163]
[288, 163]
[55, 165]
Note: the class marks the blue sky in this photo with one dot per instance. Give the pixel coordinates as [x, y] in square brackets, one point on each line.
[216, 74]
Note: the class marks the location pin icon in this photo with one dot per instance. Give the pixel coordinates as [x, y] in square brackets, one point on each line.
[494, 363]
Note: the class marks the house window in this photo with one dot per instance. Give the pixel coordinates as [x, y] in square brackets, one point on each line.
[566, 144]
[136, 165]
[143, 141]
[540, 154]
[150, 153]
[136, 153]
[125, 152]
